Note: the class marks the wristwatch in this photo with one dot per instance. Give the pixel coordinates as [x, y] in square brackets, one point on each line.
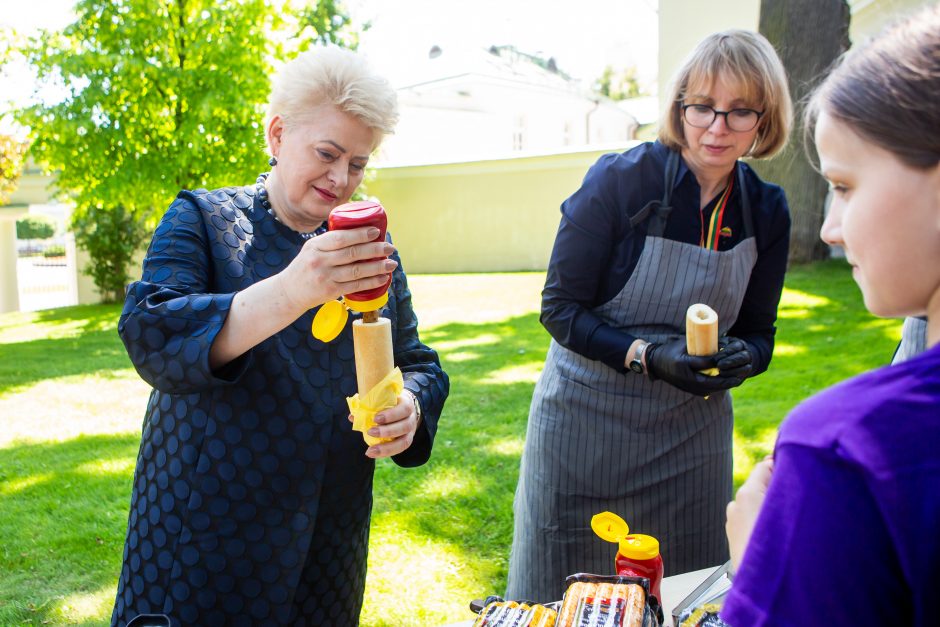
[636, 364]
[414, 398]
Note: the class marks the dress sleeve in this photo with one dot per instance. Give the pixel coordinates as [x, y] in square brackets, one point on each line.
[820, 549]
[758, 315]
[421, 369]
[170, 317]
[590, 227]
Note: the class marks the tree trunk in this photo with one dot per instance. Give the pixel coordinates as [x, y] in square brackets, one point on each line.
[808, 35]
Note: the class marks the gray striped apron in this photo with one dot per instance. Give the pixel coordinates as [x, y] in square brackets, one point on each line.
[913, 339]
[598, 439]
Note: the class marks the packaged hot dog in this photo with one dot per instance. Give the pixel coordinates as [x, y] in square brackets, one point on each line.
[608, 601]
[499, 613]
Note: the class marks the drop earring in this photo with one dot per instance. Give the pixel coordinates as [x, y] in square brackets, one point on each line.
[272, 161]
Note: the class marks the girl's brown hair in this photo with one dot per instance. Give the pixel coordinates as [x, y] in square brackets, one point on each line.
[888, 91]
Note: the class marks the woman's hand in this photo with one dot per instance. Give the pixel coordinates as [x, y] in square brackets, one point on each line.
[743, 510]
[399, 422]
[336, 263]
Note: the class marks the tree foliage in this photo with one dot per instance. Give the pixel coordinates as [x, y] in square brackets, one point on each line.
[619, 84]
[808, 35]
[161, 95]
[12, 151]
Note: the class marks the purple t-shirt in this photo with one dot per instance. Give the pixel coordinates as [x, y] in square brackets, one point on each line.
[849, 533]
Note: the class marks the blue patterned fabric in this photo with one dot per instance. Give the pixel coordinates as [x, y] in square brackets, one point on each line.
[252, 494]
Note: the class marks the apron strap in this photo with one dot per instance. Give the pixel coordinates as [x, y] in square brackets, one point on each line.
[745, 205]
[659, 208]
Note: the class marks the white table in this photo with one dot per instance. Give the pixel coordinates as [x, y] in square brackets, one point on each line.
[673, 590]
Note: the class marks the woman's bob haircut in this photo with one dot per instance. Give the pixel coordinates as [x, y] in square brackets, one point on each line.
[745, 61]
[332, 75]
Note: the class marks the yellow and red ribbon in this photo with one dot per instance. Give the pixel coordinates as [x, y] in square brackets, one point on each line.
[714, 224]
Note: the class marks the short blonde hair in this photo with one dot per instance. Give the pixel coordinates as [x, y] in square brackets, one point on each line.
[746, 59]
[332, 75]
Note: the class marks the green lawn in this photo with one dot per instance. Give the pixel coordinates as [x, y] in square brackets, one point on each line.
[71, 407]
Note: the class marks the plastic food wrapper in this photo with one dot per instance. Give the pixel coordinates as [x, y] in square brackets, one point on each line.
[496, 612]
[608, 601]
[701, 607]
[382, 396]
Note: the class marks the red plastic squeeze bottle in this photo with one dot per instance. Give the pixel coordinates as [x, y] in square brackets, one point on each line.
[637, 555]
[354, 215]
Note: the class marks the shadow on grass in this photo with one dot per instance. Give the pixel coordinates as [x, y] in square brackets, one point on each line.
[63, 514]
[92, 346]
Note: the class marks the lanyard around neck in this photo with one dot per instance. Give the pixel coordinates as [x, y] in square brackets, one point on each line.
[714, 224]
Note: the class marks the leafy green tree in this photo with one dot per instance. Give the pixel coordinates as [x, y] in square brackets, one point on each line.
[619, 84]
[111, 236]
[161, 95]
[12, 151]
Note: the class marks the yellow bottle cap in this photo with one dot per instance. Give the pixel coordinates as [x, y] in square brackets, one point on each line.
[639, 547]
[329, 321]
[363, 306]
[611, 527]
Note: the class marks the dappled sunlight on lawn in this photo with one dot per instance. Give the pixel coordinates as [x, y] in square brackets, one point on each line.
[63, 408]
[58, 323]
[11, 487]
[447, 483]
[86, 608]
[411, 579]
[525, 373]
[445, 346]
[747, 452]
[121, 466]
[458, 357]
[788, 350]
[797, 304]
[510, 447]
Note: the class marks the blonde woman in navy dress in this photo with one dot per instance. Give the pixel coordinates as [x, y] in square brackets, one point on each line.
[252, 494]
[621, 419]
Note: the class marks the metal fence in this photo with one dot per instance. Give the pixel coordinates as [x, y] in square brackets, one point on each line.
[45, 282]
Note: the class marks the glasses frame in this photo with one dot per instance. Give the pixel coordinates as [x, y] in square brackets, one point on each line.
[716, 113]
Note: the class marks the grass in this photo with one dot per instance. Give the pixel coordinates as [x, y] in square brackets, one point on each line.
[71, 407]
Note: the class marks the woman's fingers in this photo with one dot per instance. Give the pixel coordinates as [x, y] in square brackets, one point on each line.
[364, 275]
[337, 240]
[399, 423]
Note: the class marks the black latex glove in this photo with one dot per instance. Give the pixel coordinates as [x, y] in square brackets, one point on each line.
[734, 358]
[672, 363]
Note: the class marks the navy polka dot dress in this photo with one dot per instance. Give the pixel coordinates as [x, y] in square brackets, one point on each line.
[252, 494]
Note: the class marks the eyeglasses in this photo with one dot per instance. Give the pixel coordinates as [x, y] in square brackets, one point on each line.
[738, 120]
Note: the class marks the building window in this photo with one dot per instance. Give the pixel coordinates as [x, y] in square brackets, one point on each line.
[518, 134]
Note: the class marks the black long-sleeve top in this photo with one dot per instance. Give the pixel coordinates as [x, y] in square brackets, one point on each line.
[596, 250]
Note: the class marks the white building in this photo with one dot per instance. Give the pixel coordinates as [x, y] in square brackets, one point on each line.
[476, 104]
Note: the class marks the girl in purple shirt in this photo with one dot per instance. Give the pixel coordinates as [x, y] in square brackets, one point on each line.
[842, 526]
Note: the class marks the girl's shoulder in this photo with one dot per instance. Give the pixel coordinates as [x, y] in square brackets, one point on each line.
[880, 418]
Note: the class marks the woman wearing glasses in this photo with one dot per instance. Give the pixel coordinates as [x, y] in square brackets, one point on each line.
[621, 418]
